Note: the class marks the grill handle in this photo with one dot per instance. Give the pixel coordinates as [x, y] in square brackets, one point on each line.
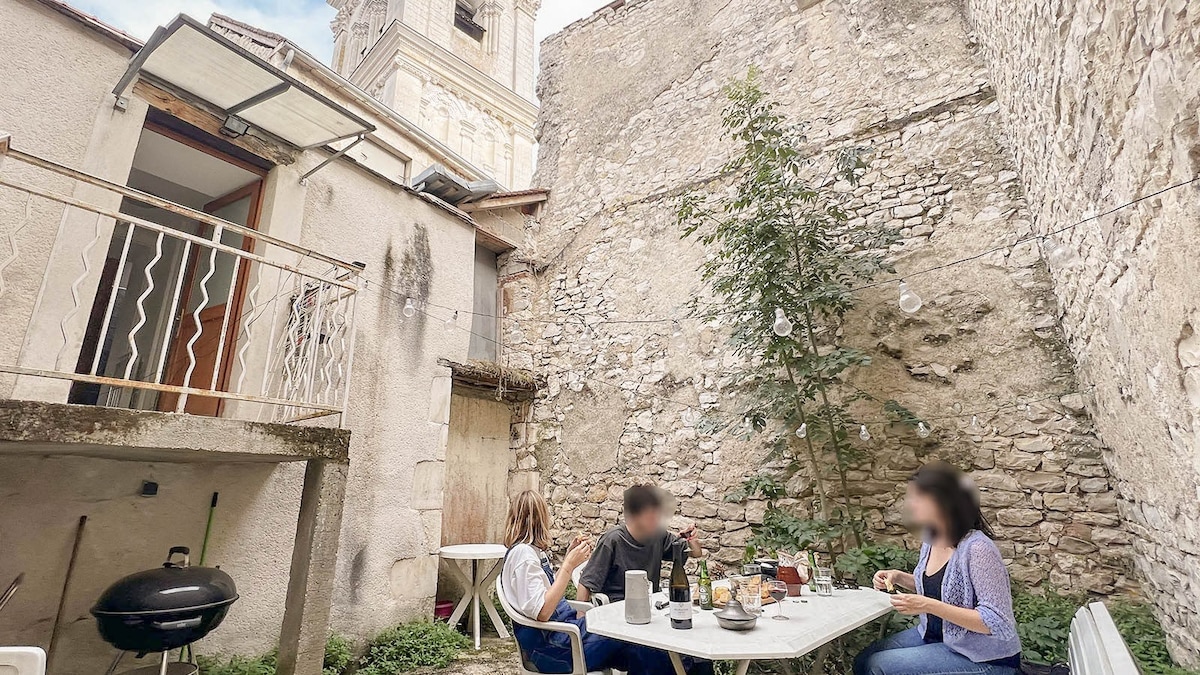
[178, 625]
[178, 550]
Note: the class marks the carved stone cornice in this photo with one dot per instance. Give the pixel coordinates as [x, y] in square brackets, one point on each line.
[530, 7]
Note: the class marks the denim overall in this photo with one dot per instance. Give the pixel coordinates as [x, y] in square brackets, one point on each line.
[550, 651]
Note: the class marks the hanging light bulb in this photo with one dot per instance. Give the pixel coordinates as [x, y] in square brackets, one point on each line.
[863, 433]
[802, 432]
[782, 326]
[676, 328]
[1061, 255]
[976, 429]
[410, 308]
[922, 430]
[957, 407]
[452, 322]
[585, 339]
[910, 302]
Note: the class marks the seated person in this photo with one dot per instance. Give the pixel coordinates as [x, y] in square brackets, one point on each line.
[533, 589]
[961, 589]
[641, 543]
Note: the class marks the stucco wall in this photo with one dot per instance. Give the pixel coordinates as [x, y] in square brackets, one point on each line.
[1098, 101]
[399, 398]
[69, 84]
[631, 104]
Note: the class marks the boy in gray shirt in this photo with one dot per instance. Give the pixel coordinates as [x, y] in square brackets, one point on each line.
[641, 543]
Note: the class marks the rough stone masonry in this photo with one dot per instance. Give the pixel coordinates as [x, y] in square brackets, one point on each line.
[631, 105]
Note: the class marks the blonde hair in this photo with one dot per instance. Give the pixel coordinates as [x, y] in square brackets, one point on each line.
[528, 521]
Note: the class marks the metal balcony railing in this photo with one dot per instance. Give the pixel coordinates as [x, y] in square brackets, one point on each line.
[229, 322]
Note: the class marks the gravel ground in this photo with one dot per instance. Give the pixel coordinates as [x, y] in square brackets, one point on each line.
[497, 657]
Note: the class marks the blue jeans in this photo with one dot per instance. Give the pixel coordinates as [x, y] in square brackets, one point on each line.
[907, 653]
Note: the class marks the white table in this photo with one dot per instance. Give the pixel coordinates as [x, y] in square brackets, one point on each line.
[478, 585]
[812, 624]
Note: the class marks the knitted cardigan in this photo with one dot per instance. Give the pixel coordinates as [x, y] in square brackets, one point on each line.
[975, 578]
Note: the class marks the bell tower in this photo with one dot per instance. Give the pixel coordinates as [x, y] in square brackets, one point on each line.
[461, 70]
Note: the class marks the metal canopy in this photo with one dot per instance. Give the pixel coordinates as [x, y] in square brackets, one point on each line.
[191, 57]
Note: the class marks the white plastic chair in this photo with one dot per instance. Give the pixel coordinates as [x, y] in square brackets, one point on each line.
[578, 665]
[597, 599]
[1095, 646]
[22, 661]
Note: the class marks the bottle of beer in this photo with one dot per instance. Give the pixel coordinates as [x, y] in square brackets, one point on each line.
[681, 594]
[705, 586]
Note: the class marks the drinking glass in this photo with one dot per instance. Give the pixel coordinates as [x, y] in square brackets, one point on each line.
[751, 589]
[824, 579]
[778, 591]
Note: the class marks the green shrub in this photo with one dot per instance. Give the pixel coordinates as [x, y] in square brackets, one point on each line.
[237, 665]
[339, 653]
[862, 563]
[411, 646]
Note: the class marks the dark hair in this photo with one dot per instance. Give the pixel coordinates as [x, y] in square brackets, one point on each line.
[955, 497]
[640, 498]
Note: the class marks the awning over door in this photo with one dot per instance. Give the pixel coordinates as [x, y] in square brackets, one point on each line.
[189, 56]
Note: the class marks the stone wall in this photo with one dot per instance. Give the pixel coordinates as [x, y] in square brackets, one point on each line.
[1098, 102]
[631, 105]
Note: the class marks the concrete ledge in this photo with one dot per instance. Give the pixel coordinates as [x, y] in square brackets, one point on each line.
[38, 428]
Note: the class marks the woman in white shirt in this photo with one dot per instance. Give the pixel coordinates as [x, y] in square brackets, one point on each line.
[533, 589]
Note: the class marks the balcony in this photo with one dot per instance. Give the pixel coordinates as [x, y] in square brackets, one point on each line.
[149, 304]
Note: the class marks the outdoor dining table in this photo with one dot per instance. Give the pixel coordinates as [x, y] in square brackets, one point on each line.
[478, 586]
[815, 622]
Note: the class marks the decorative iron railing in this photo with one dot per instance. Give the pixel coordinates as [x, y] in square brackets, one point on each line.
[265, 322]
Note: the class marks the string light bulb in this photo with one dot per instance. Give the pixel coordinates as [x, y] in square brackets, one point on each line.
[452, 322]
[922, 430]
[1061, 255]
[676, 328]
[585, 339]
[410, 308]
[863, 433]
[802, 432]
[910, 302]
[976, 429]
[782, 326]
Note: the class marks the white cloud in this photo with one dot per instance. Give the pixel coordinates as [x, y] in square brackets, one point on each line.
[305, 23]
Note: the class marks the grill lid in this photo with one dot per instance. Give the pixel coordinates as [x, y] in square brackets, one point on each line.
[172, 588]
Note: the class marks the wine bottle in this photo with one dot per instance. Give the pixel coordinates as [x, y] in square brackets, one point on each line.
[705, 586]
[812, 572]
[681, 594]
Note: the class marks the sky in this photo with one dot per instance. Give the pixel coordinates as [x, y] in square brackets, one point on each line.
[305, 22]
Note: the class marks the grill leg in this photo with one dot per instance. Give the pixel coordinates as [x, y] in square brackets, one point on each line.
[162, 669]
[116, 662]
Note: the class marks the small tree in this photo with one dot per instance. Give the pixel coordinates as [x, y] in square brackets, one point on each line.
[779, 241]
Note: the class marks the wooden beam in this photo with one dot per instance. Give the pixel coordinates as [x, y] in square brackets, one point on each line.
[209, 119]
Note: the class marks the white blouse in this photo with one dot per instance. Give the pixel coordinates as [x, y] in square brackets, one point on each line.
[525, 582]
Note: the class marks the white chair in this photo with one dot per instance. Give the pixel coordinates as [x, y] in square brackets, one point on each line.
[578, 665]
[22, 661]
[1095, 646]
[597, 599]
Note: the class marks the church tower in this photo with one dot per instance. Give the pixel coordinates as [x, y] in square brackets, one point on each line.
[462, 70]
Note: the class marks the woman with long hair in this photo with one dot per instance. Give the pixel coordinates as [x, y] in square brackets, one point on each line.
[960, 589]
[533, 589]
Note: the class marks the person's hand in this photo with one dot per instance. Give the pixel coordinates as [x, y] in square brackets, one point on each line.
[689, 533]
[882, 577]
[578, 554]
[911, 604]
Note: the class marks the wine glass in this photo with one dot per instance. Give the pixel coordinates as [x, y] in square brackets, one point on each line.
[778, 591]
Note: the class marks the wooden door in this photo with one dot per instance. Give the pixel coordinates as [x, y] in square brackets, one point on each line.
[242, 208]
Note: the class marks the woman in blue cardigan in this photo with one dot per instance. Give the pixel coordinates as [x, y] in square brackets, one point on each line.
[961, 586]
